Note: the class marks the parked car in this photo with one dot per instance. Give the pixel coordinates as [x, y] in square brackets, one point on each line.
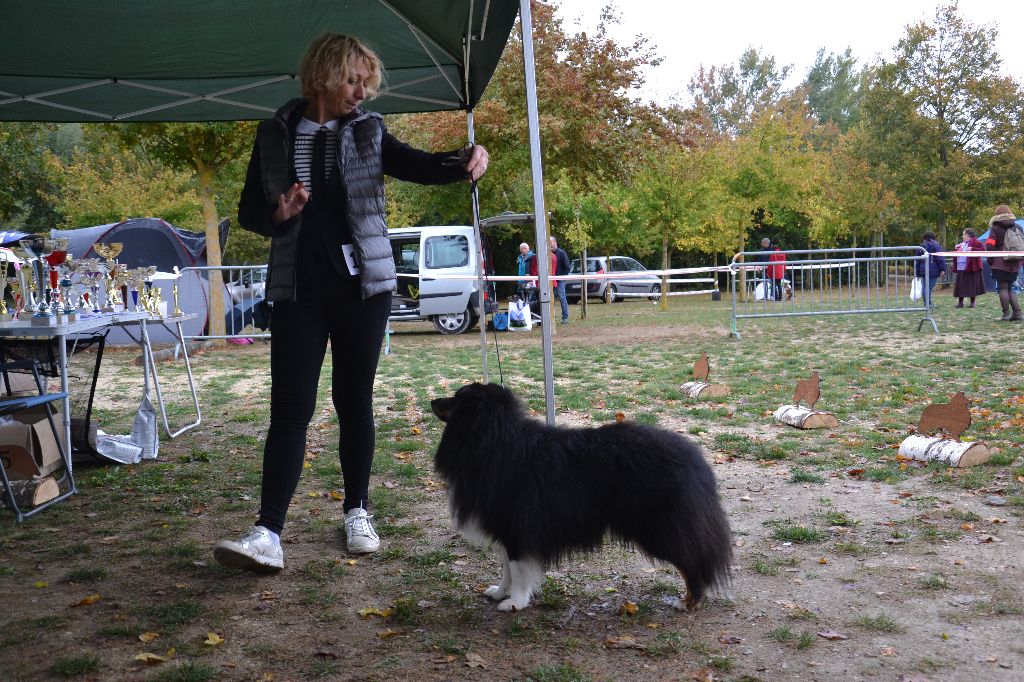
[249, 286]
[611, 289]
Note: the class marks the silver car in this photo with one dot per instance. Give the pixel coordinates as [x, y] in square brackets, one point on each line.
[617, 288]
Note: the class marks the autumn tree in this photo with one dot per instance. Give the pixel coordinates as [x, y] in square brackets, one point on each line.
[931, 110]
[204, 150]
[730, 96]
[594, 130]
[833, 89]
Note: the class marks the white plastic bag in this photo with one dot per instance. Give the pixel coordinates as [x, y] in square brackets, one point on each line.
[915, 289]
[145, 433]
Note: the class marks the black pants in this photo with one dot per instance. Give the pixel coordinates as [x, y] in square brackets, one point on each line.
[331, 308]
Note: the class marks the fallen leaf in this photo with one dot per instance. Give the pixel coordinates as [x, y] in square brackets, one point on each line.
[268, 595]
[213, 639]
[267, 677]
[888, 651]
[150, 659]
[148, 636]
[40, 584]
[87, 601]
[729, 639]
[450, 658]
[475, 661]
[313, 494]
[704, 675]
[619, 417]
[388, 634]
[351, 562]
[335, 495]
[629, 608]
[415, 430]
[966, 526]
[623, 642]
[822, 561]
[832, 635]
[383, 613]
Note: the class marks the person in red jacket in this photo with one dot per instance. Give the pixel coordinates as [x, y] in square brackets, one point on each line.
[970, 283]
[777, 271]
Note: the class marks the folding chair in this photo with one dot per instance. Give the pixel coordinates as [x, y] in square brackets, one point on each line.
[14, 404]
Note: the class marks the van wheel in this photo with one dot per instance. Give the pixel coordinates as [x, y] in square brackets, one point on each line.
[609, 293]
[453, 323]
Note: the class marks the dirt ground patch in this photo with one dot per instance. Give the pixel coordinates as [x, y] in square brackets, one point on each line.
[838, 576]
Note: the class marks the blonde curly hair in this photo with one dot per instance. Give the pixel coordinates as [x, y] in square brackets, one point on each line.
[327, 62]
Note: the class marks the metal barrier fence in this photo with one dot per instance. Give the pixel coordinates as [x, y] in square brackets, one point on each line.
[244, 289]
[827, 282]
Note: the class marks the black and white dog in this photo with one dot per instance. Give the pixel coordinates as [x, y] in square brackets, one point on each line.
[543, 493]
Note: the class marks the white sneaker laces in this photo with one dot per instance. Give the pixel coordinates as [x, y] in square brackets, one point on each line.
[360, 526]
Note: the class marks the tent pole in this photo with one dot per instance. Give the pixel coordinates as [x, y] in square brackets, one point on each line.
[539, 213]
[475, 194]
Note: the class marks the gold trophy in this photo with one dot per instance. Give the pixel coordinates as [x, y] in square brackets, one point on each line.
[110, 251]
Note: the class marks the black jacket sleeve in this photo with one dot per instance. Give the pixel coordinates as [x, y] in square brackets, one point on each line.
[254, 214]
[406, 163]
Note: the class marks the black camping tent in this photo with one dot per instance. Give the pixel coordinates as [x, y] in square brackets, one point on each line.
[152, 241]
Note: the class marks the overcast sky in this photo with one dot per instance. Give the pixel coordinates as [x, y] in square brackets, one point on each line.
[715, 32]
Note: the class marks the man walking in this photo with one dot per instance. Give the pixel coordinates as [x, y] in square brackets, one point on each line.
[562, 266]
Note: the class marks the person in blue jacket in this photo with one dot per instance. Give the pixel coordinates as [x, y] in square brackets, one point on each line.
[932, 267]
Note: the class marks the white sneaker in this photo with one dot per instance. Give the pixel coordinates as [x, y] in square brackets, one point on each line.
[259, 550]
[359, 532]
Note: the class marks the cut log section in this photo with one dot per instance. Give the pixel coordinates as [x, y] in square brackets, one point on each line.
[803, 418]
[698, 389]
[33, 492]
[950, 452]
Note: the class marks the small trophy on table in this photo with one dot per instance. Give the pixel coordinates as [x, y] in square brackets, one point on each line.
[4, 281]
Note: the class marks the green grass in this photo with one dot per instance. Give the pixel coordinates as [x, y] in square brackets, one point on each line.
[879, 623]
[799, 475]
[187, 672]
[789, 531]
[75, 666]
[557, 673]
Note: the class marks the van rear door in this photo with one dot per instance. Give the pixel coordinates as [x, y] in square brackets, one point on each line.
[449, 253]
[406, 252]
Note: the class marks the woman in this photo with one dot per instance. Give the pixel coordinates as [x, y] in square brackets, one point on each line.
[1004, 271]
[931, 267]
[315, 185]
[970, 282]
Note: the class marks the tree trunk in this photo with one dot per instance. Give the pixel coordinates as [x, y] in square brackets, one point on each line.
[213, 254]
[32, 493]
[663, 303]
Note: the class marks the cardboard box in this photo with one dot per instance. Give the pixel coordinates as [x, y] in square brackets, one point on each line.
[28, 447]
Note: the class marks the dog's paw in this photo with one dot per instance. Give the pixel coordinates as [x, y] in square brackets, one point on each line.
[495, 592]
[513, 604]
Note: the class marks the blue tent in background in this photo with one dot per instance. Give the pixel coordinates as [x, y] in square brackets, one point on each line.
[990, 282]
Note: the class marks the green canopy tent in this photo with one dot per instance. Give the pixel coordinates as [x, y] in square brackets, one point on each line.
[220, 60]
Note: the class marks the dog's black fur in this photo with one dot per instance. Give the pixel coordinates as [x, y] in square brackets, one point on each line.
[546, 492]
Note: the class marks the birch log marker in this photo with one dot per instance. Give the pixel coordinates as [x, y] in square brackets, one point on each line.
[807, 390]
[699, 387]
[805, 418]
[951, 418]
[950, 452]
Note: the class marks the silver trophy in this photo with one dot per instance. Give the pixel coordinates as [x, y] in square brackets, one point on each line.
[40, 247]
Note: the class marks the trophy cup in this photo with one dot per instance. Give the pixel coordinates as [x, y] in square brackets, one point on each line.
[67, 268]
[54, 261]
[4, 281]
[40, 247]
[110, 252]
[91, 274]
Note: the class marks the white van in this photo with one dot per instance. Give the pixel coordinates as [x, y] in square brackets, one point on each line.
[425, 256]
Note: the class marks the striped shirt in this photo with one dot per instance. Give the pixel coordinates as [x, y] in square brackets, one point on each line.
[305, 133]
